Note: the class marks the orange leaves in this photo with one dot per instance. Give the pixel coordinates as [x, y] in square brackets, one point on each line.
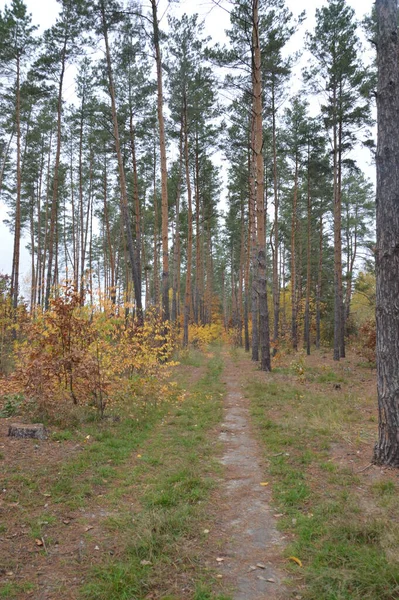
[92, 356]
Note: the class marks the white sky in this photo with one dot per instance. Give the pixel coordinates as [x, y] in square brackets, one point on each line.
[44, 13]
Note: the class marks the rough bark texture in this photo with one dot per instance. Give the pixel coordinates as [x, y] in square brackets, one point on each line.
[387, 313]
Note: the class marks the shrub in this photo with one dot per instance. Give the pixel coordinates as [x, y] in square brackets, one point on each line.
[75, 355]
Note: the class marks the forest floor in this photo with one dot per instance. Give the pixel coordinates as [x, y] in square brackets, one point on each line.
[256, 486]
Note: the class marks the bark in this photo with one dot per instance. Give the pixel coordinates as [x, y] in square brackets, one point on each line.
[164, 173]
[387, 250]
[264, 334]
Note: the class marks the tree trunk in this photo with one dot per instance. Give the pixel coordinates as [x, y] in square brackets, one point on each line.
[264, 334]
[190, 233]
[17, 230]
[308, 266]
[253, 246]
[164, 173]
[276, 281]
[54, 202]
[294, 326]
[122, 178]
[337, 243]
[319, 283]
[387, 252]
[176, 246]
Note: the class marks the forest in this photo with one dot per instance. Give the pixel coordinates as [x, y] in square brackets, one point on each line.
[201, 299]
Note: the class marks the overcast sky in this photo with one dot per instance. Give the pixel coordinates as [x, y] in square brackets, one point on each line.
[44, 13]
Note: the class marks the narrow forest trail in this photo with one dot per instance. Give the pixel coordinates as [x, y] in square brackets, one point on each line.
[250, 560]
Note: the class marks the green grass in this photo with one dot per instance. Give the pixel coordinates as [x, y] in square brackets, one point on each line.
[348, 552]
[13, 590]
[171, 481]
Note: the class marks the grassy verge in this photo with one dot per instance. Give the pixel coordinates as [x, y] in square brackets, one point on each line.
[172, 480]
[125, 505]
[343, 519]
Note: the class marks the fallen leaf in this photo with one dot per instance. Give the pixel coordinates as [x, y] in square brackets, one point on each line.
[145, 563]
[219, 559]
[9, 573]
[270, 580]
[297, 560]
[38, 542]
[261, 578]
[264, 483]
[89, 527]
[47, 495]
[252, 568]
[66, 521]
[279, 515]
[261, 566]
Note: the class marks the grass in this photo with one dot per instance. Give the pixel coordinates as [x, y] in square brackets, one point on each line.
[144, 479]
[13, 590]
[172, 481]
[344, 531]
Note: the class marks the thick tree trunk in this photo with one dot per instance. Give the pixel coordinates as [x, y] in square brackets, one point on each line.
[387, 253]
[164, 173]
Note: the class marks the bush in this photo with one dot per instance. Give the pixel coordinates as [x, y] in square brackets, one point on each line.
[75, 355]
[366, 340]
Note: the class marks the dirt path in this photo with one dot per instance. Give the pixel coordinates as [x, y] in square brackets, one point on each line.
[251, 560]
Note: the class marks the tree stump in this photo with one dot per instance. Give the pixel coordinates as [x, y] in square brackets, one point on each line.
[35, 431]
